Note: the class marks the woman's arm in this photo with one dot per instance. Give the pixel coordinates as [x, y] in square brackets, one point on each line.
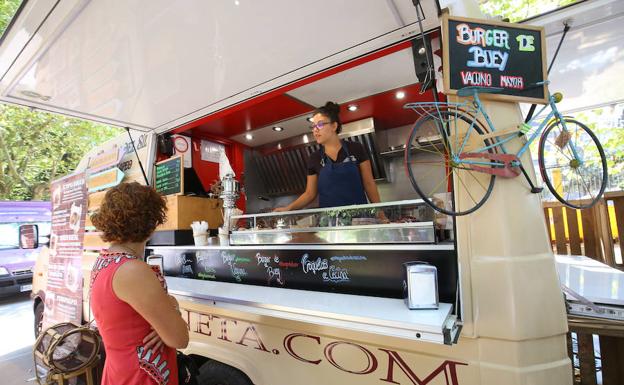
[369, 183]
[136, 284]
[305, 198]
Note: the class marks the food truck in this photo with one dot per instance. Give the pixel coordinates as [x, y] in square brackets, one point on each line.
[320, 295]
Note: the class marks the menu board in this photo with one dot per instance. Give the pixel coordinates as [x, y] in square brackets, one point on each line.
[494, 54]
[63, 302]
[169, 176]
[348, 271]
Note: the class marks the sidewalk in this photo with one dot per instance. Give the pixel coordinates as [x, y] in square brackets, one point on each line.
[16, 368]
[17, 338]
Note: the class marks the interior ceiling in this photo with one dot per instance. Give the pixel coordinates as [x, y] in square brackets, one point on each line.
[386, 73]
[258, 115]
[371, 86]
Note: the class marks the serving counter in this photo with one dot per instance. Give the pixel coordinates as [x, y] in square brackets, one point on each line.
[341, 267]
[382, 316]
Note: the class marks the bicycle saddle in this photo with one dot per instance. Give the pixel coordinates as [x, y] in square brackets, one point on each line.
[471, 90]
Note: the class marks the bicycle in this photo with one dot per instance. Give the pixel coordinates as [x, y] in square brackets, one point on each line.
[451, 140]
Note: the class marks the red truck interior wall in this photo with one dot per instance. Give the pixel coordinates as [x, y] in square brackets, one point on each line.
[208, 172]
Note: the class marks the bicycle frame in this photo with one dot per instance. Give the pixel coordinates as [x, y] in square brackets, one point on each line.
[478, 109]
[455, 121]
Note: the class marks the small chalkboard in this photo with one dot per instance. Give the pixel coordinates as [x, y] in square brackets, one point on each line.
[169, 178]
[494, 54]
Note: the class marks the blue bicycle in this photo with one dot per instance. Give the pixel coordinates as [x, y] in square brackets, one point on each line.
[454, 154]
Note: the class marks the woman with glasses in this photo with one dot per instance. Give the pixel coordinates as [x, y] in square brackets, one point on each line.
[340, 172]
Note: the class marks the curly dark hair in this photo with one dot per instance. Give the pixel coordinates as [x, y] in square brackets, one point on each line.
[130, 212]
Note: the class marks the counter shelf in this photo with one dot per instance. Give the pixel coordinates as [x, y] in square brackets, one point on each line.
[408, 221]
[381, 316]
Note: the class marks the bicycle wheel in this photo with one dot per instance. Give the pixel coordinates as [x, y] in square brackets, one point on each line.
[433, 165]
[572, 164]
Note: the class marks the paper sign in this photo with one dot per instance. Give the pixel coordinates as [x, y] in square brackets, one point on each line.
[63, 302]
[210, 151]
[182, 147]
[105, 179]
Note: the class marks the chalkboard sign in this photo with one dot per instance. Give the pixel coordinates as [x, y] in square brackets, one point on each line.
[378, 273]
[494, 54]
[169, 178]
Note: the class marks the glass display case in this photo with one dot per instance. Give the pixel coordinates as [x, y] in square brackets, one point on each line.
[409, 221]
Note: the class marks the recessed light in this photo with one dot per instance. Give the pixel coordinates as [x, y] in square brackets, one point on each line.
[236, 2]
[352, 107]
[248, 136]
[305, 138]
[400, 94]
[278, 128]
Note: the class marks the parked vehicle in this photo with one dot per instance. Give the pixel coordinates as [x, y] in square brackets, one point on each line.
[24, 231]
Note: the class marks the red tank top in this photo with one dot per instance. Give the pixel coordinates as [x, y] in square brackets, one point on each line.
[123, 330]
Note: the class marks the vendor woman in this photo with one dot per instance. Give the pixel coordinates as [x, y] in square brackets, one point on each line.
[340, 172]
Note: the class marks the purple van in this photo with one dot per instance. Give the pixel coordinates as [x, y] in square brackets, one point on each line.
[16, 263]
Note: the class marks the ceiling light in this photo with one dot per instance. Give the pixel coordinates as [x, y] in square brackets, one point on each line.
[248, 136]
[305, 138]
[236, 2]
[352, 107]
[279, 146]
[400, 94]
[278, 128]
[309, 119]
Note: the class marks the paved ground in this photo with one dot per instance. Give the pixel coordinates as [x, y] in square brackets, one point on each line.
[16, 340]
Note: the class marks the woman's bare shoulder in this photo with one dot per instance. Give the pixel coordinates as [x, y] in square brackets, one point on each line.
[134, 274]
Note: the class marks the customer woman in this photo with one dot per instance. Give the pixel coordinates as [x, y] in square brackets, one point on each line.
[340, 172]
[140, 324]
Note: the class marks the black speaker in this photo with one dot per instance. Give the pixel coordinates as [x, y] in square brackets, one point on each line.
[165, 145]
[422, 66]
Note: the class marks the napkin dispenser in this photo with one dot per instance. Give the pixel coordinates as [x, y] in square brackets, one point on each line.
[420, 286]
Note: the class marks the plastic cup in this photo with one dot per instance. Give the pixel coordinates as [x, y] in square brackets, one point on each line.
[200, 239]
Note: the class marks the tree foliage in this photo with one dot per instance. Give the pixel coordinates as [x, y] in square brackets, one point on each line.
[7, 10]
[37, 147]
[608, 125]
[516, 10]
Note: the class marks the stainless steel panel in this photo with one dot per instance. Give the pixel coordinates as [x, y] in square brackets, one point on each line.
[421, 232]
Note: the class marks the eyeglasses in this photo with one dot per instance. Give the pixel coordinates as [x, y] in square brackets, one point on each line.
[318, 125]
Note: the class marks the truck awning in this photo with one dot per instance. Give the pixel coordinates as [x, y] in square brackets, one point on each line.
[588, 70]
[157, 64]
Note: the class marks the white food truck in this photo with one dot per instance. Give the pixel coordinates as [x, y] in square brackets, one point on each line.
[312, 296]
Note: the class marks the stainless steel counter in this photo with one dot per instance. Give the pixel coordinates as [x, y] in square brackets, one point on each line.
[366, 234]
[383, 316]
[216, 244]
